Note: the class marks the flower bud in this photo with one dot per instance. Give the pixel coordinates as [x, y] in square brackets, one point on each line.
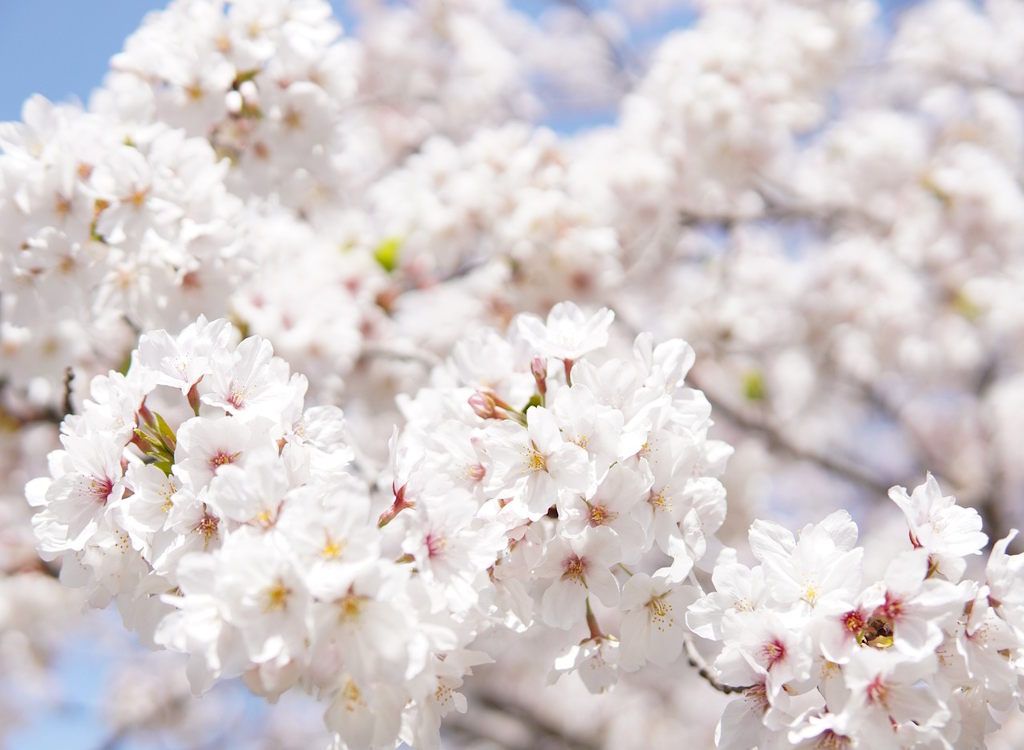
[483, 405]
[539, 368]
[233, 102]
[249, 92]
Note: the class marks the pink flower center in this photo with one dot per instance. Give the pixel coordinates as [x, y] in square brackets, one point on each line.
[600, 515]
[207, 526]
[236, 396]
[892, 609]
[877, 691]
[853, 621]
[100, 488]
[774, 651]
[574, 567]
[435, 545]
[222, 458]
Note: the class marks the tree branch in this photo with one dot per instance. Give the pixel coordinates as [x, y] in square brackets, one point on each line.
[697, 662]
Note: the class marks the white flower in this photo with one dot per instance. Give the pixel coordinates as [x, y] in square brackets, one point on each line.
[205, 445]
[180, 361]
[578, 567]
[917, 607]
[326, 530]
[591, 425]
[947, 531]
[1004, 575]
[450, 546]
[762, 646]
[568, 333]
[817, 570]
[886, 688]
[595, 660]
[737, 589]
[535, 464]
[261, 594]
[90, 477]
[653, 628]
[250, 382]
[612, 506]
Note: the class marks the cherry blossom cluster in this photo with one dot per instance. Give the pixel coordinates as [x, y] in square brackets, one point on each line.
[226, 522]
[108, 229]
[597, 473]
[264, 82]
[230, 523]
[825, 655]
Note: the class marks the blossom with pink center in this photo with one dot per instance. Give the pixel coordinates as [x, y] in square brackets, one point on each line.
[578, 566]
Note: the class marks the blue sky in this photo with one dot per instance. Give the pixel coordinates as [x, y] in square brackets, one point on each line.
[60, 48]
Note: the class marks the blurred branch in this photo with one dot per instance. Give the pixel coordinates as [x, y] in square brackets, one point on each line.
[539, 732]
[622, 55]
[989, 502]
[383, 351]
[121, 734]
[781, 442]
[16, 419]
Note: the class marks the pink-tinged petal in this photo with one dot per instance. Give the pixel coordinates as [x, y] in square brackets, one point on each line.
[636, 592]
[633, 640]
[570, 466]
[768, 539]
[543, 429]
[564, 604]
[906, 573]
[603, 585]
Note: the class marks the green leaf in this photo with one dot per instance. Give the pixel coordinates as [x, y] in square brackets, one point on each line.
[166, 434]
[965, 306]
[244, 75]
[387, 253]
[164, 465]
[754, 386]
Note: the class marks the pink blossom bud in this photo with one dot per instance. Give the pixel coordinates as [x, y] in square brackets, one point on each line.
[483, 405]
[539, 368]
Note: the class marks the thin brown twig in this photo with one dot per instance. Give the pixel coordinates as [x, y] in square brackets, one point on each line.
[697, 662]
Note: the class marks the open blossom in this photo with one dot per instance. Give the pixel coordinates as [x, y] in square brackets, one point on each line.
[568, 333]
[535, 466]
[816, 568]
[578, 567]
[595, 660]
[653, 628]
[945, 530]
